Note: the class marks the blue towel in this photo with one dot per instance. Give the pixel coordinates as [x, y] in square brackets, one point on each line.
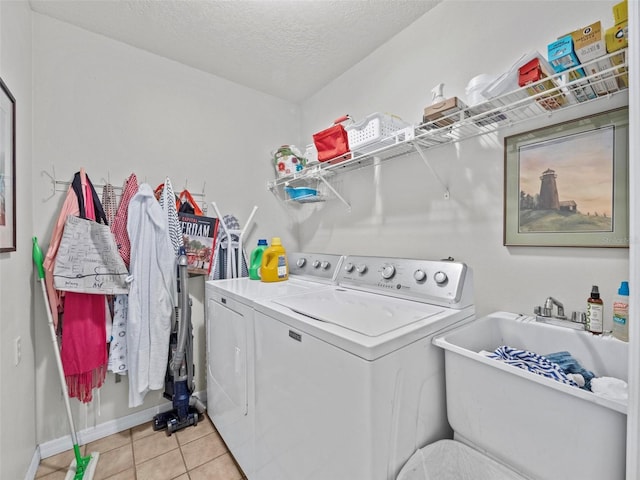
[531, 362]
[568, 364]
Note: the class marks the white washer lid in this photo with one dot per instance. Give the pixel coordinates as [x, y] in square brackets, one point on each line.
[364, 313]
[246, 290]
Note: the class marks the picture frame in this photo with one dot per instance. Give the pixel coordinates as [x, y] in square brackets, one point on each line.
[566, 185]
[7, 169]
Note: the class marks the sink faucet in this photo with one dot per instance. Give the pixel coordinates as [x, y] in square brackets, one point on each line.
[547, 310]
[545, 314]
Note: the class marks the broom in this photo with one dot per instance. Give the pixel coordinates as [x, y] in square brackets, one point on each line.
[81, 468]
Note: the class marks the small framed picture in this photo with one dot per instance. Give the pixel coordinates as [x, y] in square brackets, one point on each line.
[7, 170]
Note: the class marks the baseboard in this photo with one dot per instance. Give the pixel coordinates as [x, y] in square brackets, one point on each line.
[88, 435]
[33, 466]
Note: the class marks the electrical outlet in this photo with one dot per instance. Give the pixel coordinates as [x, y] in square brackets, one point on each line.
[17, 351]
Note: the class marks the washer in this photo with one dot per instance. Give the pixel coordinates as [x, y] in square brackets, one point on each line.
[230, 345]
[348, 383]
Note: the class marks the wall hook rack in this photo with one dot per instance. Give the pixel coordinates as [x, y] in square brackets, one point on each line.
[61, 186]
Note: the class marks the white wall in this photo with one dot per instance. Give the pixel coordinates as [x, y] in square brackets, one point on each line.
[17, 290]
[114, 110]
[402, 212]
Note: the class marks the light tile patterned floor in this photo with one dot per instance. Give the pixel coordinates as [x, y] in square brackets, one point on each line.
[140, 453]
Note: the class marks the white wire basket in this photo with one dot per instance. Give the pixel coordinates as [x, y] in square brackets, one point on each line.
[375, 131]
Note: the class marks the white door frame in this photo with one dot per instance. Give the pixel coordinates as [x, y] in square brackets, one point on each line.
[633, 419]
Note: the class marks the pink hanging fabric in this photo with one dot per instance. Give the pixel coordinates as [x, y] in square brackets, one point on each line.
[56, 297]
[84, 349]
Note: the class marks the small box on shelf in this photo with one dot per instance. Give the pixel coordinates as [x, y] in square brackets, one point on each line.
[442, 114]
[620, 12]
[590, 46]
[562, 57]
[536, 76]
[617, 38]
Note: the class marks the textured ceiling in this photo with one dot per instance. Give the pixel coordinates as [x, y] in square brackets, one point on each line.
[289, 49]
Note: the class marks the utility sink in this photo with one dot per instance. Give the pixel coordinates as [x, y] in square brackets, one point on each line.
[543, 428]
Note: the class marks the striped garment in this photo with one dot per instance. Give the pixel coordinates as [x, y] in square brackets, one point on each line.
[109, 202]
[168, 203]
[531, 362]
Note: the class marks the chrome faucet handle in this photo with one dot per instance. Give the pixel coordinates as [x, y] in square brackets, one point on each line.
[578, 317]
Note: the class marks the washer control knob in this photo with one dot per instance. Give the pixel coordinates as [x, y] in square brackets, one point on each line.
[325, 265]
[316, 263]
[362, 268]
[348, 267]
[440, 277]
[301, 262]
[388, 271]
[419, 275]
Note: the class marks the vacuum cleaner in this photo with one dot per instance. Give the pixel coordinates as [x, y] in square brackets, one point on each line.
[179, 386]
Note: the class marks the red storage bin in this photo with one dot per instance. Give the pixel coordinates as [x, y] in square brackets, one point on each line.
[333, 143]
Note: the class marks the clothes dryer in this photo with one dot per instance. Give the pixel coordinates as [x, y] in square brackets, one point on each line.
[348, 383]
[230, 346]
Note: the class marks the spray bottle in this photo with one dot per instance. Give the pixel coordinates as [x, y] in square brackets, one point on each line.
[595, 309]
[437, 94]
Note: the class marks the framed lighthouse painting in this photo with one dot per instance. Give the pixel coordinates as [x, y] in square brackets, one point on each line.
[567, 184]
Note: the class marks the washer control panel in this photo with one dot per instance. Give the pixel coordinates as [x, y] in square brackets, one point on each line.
[316, 266]
[441, 282]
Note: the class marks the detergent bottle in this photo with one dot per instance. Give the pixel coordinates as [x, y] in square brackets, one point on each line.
[255, 259]
[621, 313]
[274, 266]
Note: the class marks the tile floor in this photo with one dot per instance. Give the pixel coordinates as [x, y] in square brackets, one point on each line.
[140, 453]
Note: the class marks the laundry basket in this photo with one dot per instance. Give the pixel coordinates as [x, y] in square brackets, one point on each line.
[451, 460]
[375, 131]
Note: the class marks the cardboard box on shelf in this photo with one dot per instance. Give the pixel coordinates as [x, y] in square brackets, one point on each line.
[441, 114]
[616, 39]
[561, 54]
[620, 12]
[533, 74]
[589, 46]
[562, 57]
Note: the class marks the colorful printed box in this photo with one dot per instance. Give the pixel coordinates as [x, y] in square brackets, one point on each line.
[562, 57]
[589, 46]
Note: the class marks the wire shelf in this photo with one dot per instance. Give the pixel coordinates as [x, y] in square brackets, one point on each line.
[506, 110]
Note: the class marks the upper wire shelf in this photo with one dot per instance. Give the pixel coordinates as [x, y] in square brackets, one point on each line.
[505, 110]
